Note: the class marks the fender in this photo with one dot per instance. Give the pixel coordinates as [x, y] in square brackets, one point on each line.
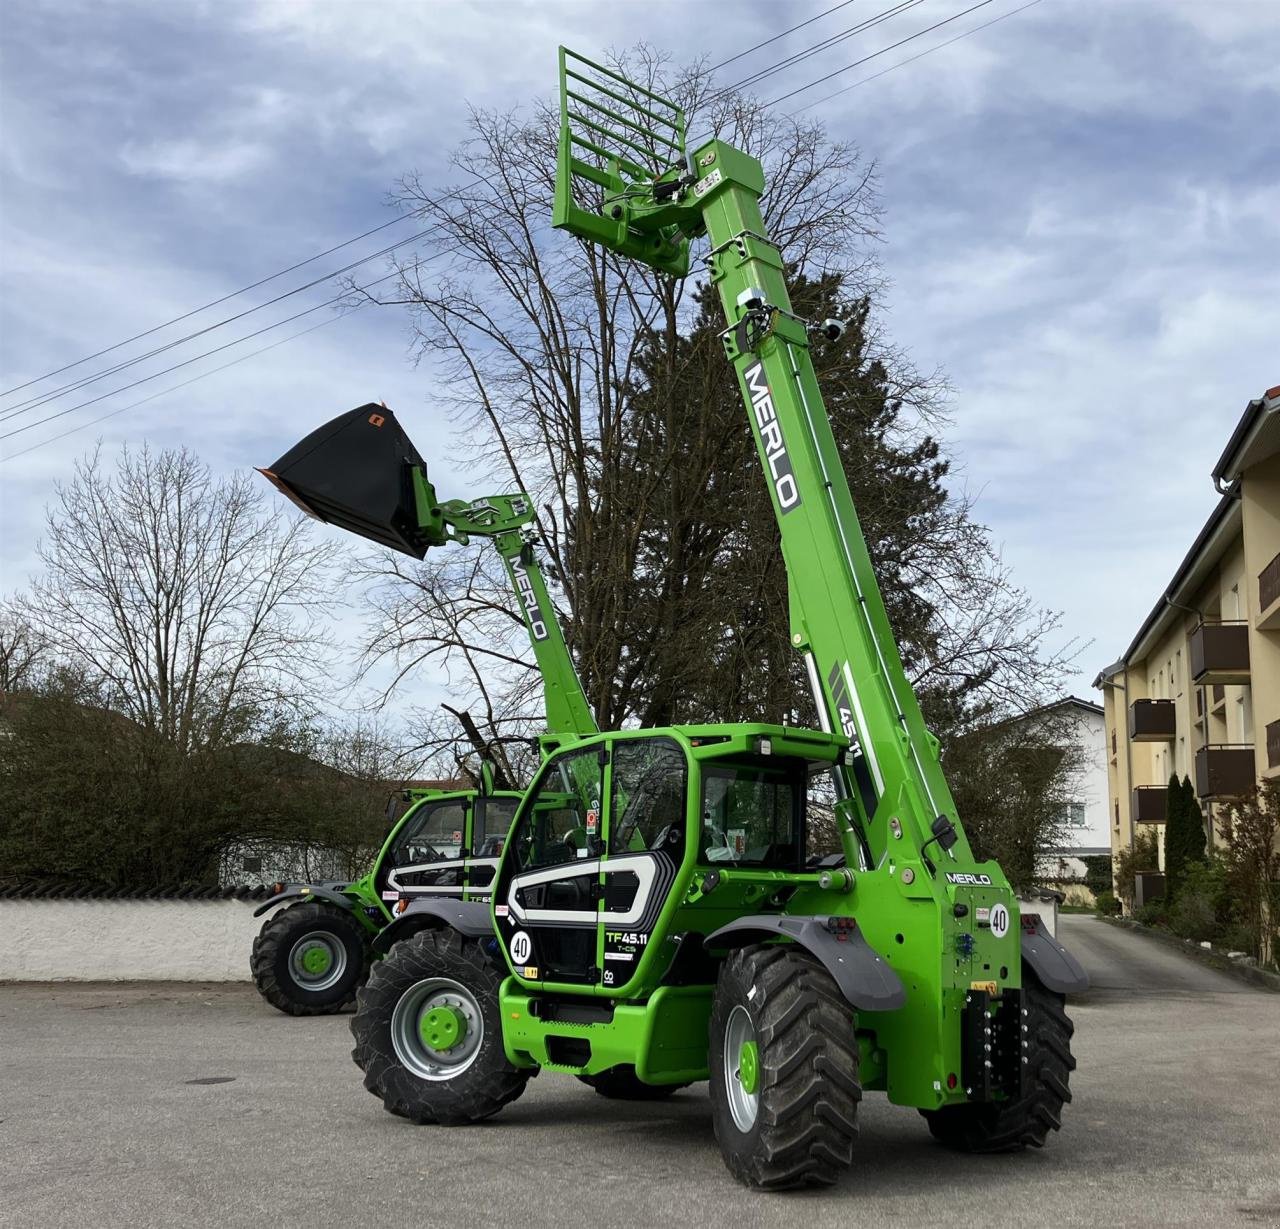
[296, 891]
[863, 977]
[1057, 968]
[468, 917]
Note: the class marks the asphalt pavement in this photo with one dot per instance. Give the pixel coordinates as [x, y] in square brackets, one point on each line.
[163, 1105]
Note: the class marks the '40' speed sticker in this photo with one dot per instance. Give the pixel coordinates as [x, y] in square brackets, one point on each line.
[999, 921]
[522, 946]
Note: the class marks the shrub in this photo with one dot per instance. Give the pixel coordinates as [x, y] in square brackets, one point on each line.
[1107, 903]
[1153, 913]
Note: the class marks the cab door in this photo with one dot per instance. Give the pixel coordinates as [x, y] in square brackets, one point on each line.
[427, 856]
[592, 860]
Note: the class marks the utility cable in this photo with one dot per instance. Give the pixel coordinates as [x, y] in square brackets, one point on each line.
[173, 388]
[919, 56]
[825, 13]
[808, 52]
[195, 311]
[773, 102]
[884, 15]
[187, 362]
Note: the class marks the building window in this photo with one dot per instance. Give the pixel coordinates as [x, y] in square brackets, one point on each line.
[1074, 816]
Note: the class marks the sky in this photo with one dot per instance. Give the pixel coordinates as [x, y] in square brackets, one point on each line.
[1081, 229]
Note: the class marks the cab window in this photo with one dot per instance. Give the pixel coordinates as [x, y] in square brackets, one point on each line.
[433, 833]
[561, 818]
[752, 815]
[492, 822]
[648, 804]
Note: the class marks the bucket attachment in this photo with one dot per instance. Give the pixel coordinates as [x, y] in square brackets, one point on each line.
[361, 472]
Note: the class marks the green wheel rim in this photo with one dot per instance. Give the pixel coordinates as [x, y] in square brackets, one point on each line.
[318, 961]
[437, 1028]
[742, 1069]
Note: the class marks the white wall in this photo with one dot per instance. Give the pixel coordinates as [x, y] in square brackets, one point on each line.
[126, 940]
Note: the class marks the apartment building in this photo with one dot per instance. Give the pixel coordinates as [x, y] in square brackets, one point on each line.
[1197, 692]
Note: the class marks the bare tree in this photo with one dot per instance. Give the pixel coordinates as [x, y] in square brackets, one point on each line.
[599, 385]
[24, 652]
[188, 602]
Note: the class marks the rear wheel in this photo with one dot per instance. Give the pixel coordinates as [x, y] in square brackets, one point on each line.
[428, 1031]
[309, 958]
[784, 1070]
[622, 1084]
[1008, 1126]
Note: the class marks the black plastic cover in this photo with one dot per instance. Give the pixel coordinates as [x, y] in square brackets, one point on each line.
[468, 917]
[356, 472]
[863, 977]
[1056, 967]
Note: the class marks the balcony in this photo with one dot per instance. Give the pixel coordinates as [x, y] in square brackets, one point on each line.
[1150, 804]
[1225, 770]
[1269, 596]
[1152, 721]
[1220, 654]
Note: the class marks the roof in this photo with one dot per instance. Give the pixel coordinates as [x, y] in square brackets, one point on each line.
[1256, 437]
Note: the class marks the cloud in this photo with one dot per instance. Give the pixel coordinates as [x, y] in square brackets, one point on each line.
[1080, 216]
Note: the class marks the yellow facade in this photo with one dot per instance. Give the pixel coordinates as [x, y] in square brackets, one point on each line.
[1197, 693]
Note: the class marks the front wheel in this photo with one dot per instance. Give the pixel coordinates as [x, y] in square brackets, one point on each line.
[1025, 1121]
[309, 958]
[428, 1031]
[784, 1070]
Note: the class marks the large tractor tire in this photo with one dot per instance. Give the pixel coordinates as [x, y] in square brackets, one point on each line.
[784, 1070]
[309, 959]
[428, 1031]
[622, 1084]
[1010, 1126]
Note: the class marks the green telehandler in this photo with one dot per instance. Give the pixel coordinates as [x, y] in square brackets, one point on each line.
[361, 472]
[655, 918]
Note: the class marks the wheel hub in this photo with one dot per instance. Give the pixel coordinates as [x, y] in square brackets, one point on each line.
[317, 959]
[437, 1028]
[442, 1027]
[749, 1067]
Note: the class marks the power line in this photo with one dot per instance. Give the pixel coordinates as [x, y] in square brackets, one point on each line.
[195, 311]
[715, 68]
[817, 48]
[45, 398]
[914, 58]
[773, 102]
[173, 388]
[187, 362]
[876, 19]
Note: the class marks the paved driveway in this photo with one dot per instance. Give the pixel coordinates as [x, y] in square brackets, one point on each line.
[104, 1121]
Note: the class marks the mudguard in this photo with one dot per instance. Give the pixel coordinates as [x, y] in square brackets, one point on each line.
[297, 891]
[864, 978]
[1057, 969]
[468, 917]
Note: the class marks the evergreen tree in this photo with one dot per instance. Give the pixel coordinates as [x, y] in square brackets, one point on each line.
[1183, 833]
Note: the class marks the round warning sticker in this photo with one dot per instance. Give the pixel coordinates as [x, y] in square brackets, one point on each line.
[999, 921]
[521, 947]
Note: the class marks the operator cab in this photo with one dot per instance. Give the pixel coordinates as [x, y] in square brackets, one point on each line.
[615, 829]
[446, 846]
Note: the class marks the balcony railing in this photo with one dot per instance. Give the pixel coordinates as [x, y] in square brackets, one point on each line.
[1150, 804]
[1152, 721]
[1273, 745]
[1220, 654]
[1269, 595]
[1225, 770]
